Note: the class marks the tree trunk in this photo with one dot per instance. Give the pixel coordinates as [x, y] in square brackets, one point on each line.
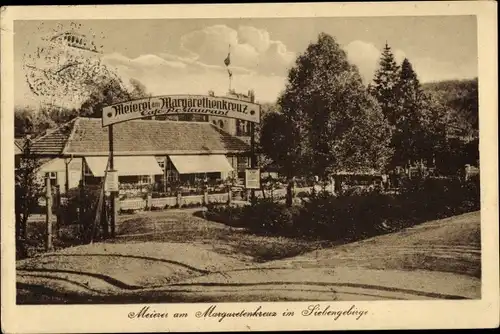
[289, 193]
[20, 238]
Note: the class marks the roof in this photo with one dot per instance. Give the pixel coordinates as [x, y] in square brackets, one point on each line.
[53, 142]
[87, 136]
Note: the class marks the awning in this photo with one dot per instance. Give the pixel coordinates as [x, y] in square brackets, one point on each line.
[189, 164]
[126, 166]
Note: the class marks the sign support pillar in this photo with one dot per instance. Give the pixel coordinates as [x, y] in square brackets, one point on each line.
[112, 193]
[253, 163]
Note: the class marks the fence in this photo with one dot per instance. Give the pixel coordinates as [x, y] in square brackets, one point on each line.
[168, 202]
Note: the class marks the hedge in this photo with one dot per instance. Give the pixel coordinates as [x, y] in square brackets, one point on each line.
[355, 216]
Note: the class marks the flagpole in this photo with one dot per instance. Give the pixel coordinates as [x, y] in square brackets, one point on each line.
[227, 63]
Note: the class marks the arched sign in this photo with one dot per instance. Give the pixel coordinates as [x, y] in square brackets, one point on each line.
[181, 104]
[174, 105]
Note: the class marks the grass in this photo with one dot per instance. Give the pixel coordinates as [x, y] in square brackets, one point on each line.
[187, 226]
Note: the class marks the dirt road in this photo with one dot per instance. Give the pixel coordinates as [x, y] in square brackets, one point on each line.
[178, 257]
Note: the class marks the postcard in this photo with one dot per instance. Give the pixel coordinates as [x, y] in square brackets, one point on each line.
[249, 167]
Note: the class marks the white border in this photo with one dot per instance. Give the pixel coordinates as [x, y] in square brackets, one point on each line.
[382, 314]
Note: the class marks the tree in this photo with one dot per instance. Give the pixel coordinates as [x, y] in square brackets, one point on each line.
[385, 84]
[110, 91]
[330, 122]
[27, 121]
[414, 120]
[28, 188]
[276, 132]
[138, 90]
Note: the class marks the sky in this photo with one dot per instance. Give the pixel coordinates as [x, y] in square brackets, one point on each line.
[186, 56]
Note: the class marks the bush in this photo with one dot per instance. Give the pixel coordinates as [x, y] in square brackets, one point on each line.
[268, 216]
[226, 214]
[70, 209]
[353, 217]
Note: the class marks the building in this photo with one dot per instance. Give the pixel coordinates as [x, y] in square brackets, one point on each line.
[147, 152]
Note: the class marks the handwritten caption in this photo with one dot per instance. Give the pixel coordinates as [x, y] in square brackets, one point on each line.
[216, 312]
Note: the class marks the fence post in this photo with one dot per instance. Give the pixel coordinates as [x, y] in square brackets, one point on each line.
[179, 199]
[205, 196]
[149, 201]
[48, 216]
[229, 195]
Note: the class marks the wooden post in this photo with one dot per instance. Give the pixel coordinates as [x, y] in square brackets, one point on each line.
[58, 209]
[179, 199]
[113, 212]
[81, 199]
[48, 216]
[66, 175]
[165, 163]
[229, 194]
[253, 161]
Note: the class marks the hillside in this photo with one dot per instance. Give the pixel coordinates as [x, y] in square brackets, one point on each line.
[460, 100]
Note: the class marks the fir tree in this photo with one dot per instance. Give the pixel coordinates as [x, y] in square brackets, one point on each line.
[386, 83]
[413, 115]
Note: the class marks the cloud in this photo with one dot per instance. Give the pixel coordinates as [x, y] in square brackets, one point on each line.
[171, 74]
[250, 48]
[429, 69]
[257, 62]
[366, 57]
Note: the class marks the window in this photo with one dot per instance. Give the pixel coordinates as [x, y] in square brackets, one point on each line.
[221, 124]
[144, 179]
[51, 175]
[53, 178]
[131, 179]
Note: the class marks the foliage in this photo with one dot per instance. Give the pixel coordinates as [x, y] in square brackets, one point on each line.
[460, 98]
[422, 116]
[28, 190]
[386, 83]
[28, 121]
[80, 208]
[275, 142]
[329, 121]
[277, 217]
[110, 91]
[356, 216]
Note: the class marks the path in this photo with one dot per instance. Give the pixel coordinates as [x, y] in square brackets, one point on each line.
[197, 260]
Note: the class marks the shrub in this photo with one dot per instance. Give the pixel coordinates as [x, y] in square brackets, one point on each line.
[88, 198]
[352, 217]
[268, 216]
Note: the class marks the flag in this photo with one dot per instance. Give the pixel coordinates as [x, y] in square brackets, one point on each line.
[230, 73]
[227, 61]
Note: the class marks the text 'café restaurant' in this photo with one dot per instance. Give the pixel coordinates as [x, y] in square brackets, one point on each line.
[156, 152]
